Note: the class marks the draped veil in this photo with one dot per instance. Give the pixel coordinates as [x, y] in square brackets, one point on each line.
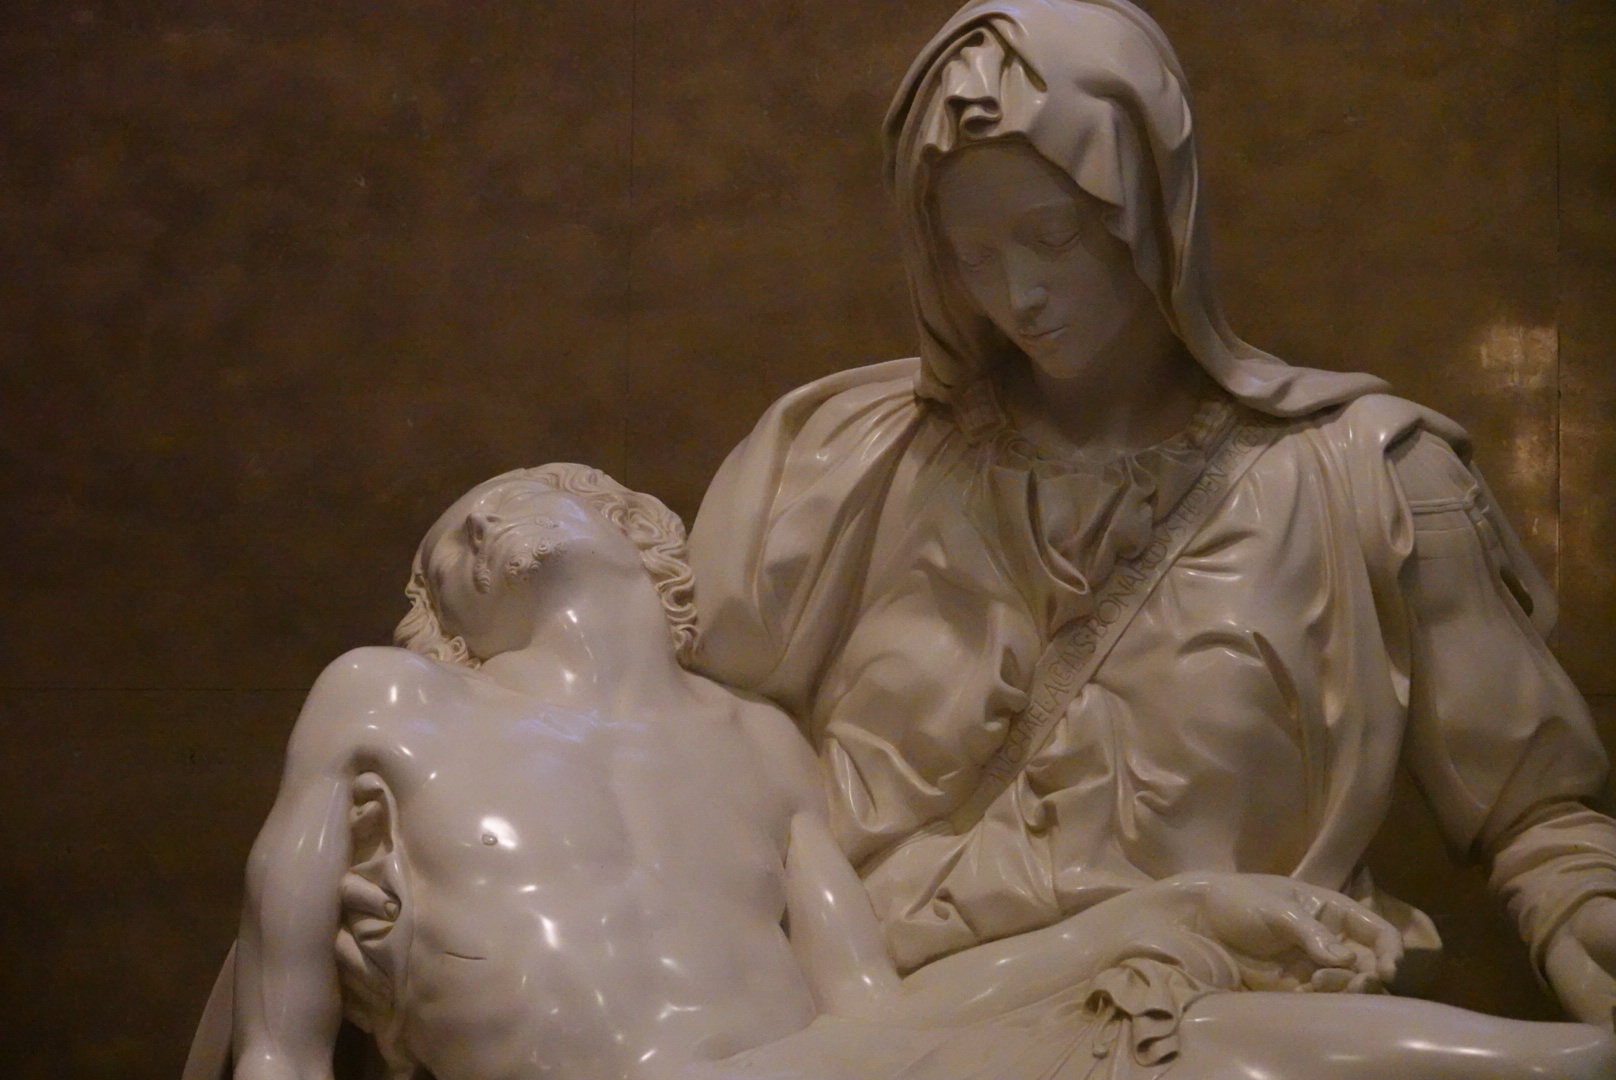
[1096, 88]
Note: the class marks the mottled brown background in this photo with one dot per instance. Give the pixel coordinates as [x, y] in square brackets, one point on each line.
[281, 279]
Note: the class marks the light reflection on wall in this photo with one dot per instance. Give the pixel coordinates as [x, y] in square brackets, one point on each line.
[1523, 361]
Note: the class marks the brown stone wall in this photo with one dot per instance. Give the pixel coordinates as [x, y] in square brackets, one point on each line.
[283, 279]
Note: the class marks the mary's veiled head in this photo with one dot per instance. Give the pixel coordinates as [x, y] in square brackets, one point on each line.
[1095, 88]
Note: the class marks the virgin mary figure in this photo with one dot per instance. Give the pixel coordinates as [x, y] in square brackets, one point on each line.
[1093, 592]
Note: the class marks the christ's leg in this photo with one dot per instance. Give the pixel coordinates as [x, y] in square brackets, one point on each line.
[1366, 1037]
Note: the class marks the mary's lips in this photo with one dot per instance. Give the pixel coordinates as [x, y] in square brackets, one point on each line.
[1043, 336]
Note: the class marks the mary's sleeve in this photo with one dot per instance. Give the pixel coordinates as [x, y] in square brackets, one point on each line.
[782, 539]
[1499, 739]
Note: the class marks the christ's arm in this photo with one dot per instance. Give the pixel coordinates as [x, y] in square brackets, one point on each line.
[288, 1003]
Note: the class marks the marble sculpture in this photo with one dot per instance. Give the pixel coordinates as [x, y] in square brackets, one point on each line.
[1023, 709]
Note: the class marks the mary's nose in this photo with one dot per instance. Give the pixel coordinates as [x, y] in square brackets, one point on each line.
[1027, 294]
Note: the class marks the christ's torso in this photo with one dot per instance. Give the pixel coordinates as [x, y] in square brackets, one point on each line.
[582, 894]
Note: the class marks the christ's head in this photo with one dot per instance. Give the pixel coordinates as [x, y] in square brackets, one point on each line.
[484, 564]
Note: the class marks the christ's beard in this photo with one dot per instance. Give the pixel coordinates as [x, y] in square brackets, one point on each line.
[517, 564]
[521, 564]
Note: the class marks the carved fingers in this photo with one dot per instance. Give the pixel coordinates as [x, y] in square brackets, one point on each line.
[1293, 929]
[1376, 942]
[363, 900]
[1287, 935]
[1578, 961]
[1594, 925]
[369, 914]
[366, 991]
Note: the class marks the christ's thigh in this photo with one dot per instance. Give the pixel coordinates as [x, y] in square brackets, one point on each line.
[1366, 1037]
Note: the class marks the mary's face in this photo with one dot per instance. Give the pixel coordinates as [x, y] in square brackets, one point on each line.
[1033, 251]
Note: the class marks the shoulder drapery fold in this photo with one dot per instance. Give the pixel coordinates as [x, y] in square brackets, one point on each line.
[781, 539]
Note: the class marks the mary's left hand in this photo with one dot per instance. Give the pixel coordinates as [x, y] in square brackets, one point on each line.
[1288, 935]
[1581, 962]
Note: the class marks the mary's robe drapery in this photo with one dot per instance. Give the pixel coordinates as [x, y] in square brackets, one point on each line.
[887, 558]
[1354, 598]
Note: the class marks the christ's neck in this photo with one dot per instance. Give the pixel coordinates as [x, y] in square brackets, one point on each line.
[600, 641]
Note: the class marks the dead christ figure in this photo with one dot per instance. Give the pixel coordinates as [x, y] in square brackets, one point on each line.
[544, 848]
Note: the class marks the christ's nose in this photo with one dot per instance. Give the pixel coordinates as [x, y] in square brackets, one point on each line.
[479, 526]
